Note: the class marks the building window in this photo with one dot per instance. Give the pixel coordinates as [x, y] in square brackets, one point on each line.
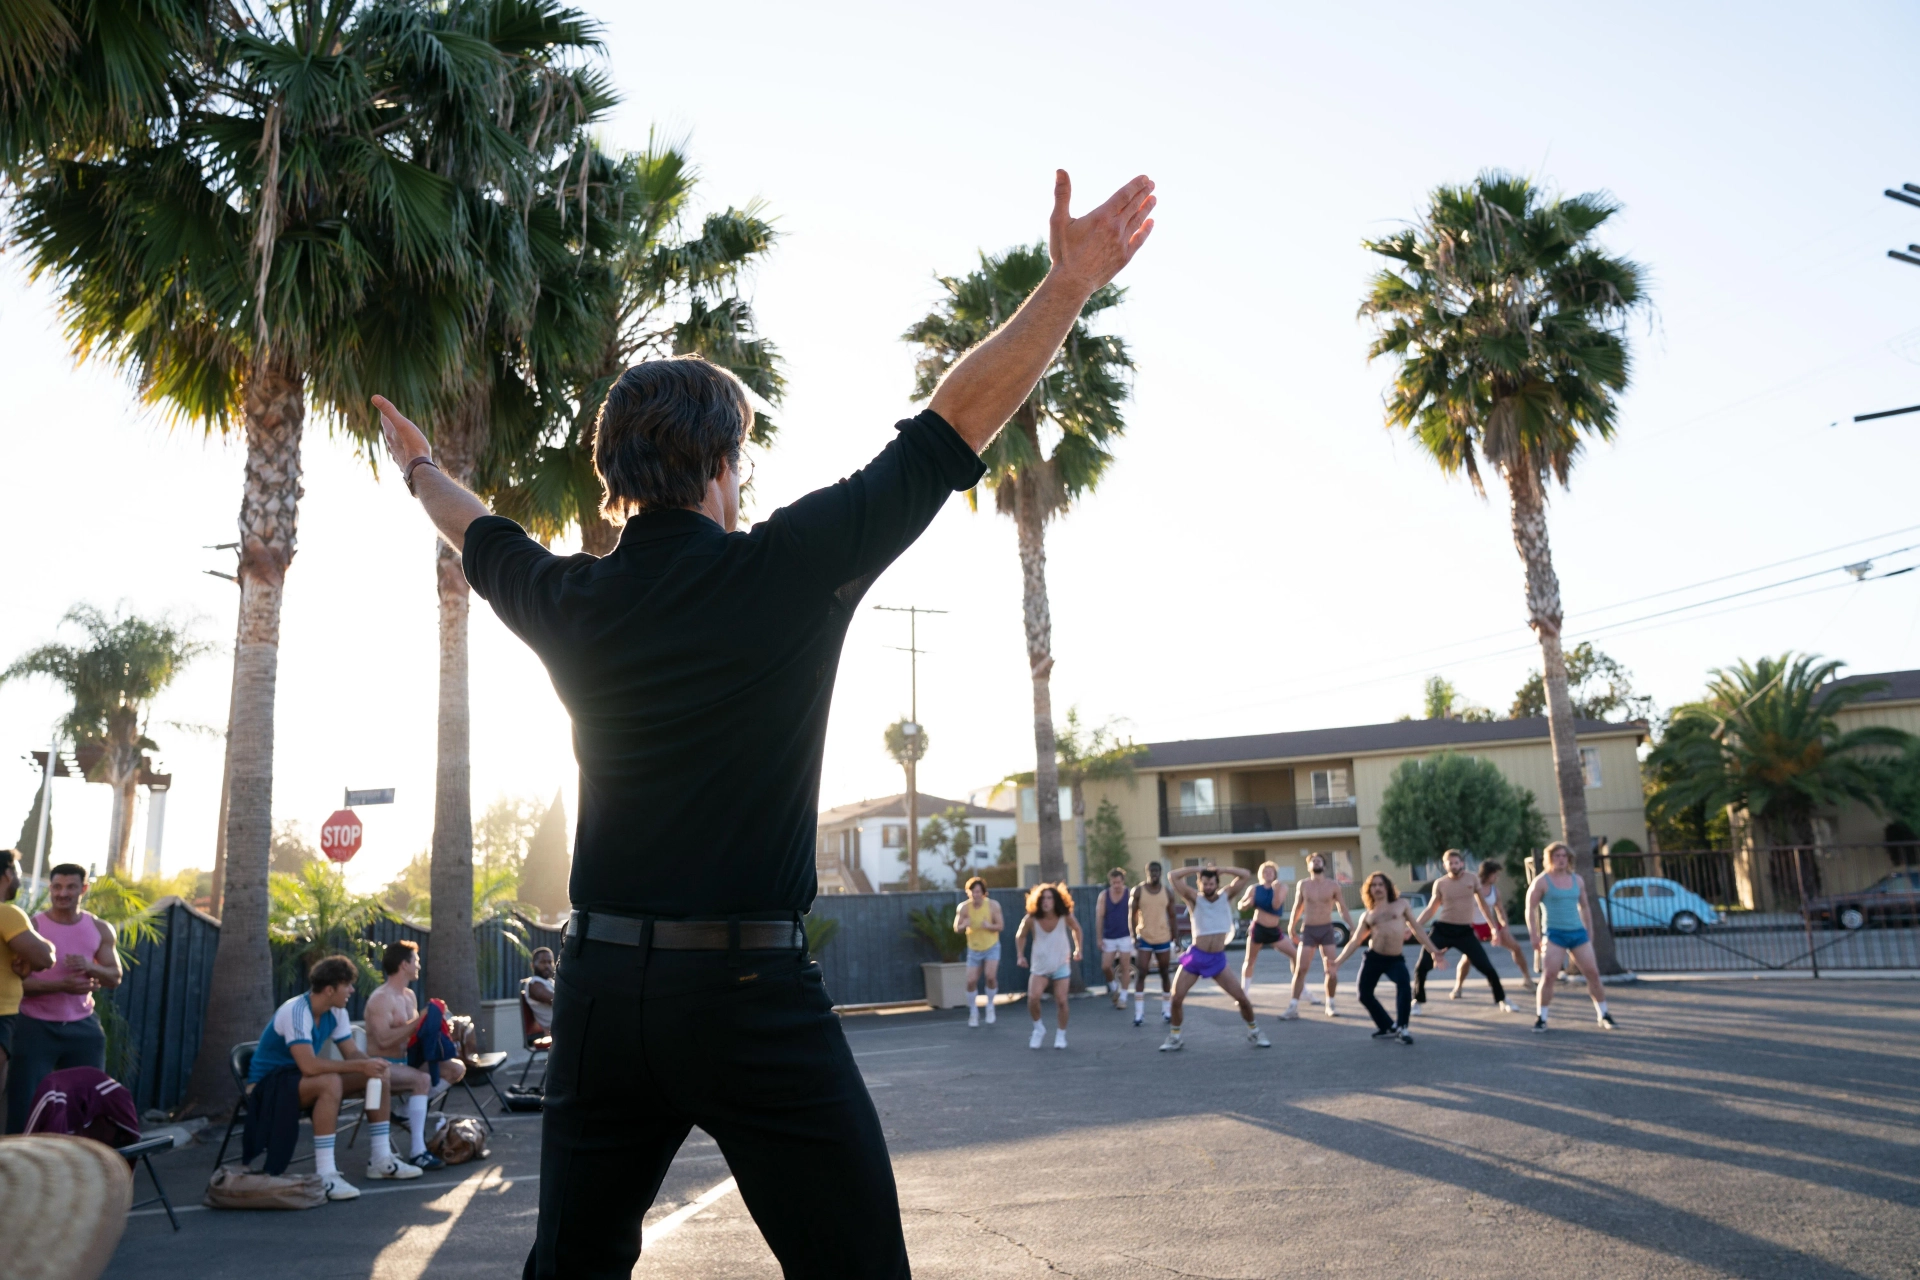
[980, 838]
[1590, 764]
[1330, 786]
[893, 835]
[1196, 797]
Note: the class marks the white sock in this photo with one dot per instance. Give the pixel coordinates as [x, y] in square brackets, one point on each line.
[380, 1149]
[993, 993]
[1038, 1025]
[416, 1124]
[323, 1155]
[1139, 999]
[1600, 1007]
[1294, 1003]
[1252, 1024]
[1544, 1011]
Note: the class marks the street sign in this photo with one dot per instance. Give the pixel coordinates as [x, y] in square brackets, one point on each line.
[379, 795]
[340, 835]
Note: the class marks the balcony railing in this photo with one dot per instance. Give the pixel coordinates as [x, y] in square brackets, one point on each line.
[1250, 819]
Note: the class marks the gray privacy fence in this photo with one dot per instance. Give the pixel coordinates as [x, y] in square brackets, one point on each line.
[872, 959]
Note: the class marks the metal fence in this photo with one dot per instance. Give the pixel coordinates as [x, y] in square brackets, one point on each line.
[1804, 908]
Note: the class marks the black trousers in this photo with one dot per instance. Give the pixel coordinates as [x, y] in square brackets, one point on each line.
[41, 1048]
[1374, 967]
[747, 1047]
[1456, 937]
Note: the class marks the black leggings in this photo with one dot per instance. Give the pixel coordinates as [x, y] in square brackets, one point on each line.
[1456, 937]
[1393, 968]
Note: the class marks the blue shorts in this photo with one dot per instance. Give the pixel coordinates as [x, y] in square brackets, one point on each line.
[1568, 938]
[1061, 974]
[1153, 947]
[976, 958]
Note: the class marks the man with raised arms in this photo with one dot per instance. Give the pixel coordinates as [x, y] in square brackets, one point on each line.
[1456, 900]
[1316, 900]
[1151, 914]
[1214, 920]
[697, 661]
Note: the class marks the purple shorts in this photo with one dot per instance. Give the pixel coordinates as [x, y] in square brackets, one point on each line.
[1203, 964]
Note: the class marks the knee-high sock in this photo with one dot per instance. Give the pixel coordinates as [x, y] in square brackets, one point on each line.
[416, 1124]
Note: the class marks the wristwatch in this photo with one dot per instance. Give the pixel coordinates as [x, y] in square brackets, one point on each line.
[422, 461]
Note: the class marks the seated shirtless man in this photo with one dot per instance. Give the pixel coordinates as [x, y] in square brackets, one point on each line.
[392, 1018]
[1315, 901]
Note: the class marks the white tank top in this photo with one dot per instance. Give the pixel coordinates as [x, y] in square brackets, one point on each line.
[1052, 949]
[1217, 916]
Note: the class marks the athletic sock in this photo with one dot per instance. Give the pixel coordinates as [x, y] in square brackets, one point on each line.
[1544, 1010]
[380, 1147]
[992, 994]
[416, 1124]
[1253, 1024]
[323, 1155]
[1600, 1008]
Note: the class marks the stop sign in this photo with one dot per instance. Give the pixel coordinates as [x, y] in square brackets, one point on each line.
[340, 835]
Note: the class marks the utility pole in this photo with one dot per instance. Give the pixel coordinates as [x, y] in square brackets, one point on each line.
[914, 737]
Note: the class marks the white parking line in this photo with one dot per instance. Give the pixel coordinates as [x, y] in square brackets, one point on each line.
[650, 1236]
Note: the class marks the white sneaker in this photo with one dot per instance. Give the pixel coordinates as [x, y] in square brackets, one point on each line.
[1292, 1013]
[338, 1188]
[989, 1013]
[395, 1168]
[1172, 1044]
[1258, 1039]
[1039, 1035]
[1059, 1039]
[1331, 1011]
[1506, 1006]
[1418, 1009]
[973, 1016]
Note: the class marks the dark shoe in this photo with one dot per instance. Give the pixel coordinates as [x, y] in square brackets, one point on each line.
[427, 1160]
[1606, 1020]
[1405, 1037]
[1539, 1024]
[1387, 1034]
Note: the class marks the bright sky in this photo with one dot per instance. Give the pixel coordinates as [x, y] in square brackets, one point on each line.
[1264, 555]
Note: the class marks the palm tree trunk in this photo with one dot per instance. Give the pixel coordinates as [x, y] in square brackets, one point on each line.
[452, 973]
[1529, 511]
[217, 888]
[1029, 517]
[1080, 823]
[120, 829]
[241, 997]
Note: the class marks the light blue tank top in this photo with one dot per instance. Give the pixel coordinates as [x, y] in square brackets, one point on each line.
[1563, 905]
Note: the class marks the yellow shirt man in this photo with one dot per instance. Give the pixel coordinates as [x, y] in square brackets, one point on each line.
[13, 923]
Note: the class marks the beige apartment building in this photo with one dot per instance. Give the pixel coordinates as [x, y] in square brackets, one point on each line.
[1279, 796]
[1898, 706]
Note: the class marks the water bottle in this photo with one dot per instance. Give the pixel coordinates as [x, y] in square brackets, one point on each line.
[373, 1093]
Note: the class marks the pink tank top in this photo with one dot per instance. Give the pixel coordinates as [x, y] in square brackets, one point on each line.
[81, 938]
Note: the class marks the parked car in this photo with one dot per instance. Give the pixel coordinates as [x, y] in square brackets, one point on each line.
[1891, 898]
[1648, 902]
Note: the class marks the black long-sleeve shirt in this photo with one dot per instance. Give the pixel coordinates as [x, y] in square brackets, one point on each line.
[698, 668]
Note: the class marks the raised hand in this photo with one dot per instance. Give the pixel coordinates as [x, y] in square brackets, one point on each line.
[1091, 249]
[405, 442]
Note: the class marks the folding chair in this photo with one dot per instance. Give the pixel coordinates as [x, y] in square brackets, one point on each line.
[142, 1153]
[536, 1039]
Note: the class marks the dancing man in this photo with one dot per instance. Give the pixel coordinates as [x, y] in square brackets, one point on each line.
[980, 919]
[1561, 924]
[1151, 916]
[1214, 919]
[1497, 932]
[1456, 900]
[1316, 900]
[1050, 930]
[697, 663]
[1116, 938]
[1384, 928]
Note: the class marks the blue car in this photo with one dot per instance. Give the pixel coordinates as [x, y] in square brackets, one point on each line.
[1648, 902]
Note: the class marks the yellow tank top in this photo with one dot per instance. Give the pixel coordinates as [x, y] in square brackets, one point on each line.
[980, 931]
[1155, 924]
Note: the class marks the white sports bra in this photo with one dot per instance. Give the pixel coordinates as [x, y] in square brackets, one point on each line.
[1217, 916]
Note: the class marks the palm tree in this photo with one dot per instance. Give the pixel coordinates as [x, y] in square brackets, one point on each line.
[1766, 739]
[113, 678]
[1085, 755]
[634, 284]
[1507, 321]
[1079, 397]
[907, 743]
[224, 250]
[315, 915]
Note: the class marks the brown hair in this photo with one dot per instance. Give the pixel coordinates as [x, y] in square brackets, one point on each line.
[1488, 870]
[331, 972]
[1366, 889]
[396, 955]
[975, 881]
[667, 428]
[1546, 854]
[1062, 900]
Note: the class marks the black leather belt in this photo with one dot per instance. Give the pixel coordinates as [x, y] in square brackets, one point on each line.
[688, 935]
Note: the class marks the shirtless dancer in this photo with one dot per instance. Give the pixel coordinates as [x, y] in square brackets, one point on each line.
[1315, 901]
[1152, 916]
[1214, 920]
[391, 1020]
[1456, 900]
[1267, 900]
[1498, 932]
[1384, 928]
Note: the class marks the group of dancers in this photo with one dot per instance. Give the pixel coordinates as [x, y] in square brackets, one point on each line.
[1137, 930]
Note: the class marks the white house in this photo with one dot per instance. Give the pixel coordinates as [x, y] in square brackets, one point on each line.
[862, 848]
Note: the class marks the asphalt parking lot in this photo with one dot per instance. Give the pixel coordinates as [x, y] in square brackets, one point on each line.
[1729, 1128]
